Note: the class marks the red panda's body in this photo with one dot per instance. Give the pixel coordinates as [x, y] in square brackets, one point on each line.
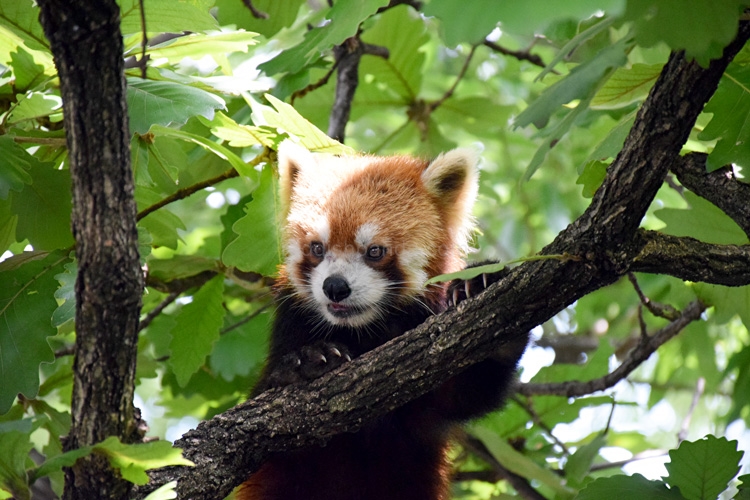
[363, 235]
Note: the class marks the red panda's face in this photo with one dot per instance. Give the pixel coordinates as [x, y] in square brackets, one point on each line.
[364, 233]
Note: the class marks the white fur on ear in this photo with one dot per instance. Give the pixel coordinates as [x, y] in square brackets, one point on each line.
[292, 158]
[452, 176]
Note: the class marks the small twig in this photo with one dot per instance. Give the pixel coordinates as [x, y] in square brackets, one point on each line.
[258, 14]
[46, 141]
[65, 351]
[539, 423]
[659, 310]
[644, 455]
[436, 104]
[247, 318]
[297, 94]
[185, 192]
[521, 55]
[153, 313]
[645, 348]
[700, 386]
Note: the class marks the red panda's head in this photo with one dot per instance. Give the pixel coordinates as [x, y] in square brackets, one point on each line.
[364, 233]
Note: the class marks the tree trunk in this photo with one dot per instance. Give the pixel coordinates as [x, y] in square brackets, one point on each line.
[87, 45]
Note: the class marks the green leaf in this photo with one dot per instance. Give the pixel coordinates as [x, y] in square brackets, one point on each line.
[240, 136]
[179, 267]
[520, 464]
[468, 273]
[26, 69]
[21, 19]
[621, 487]
[626, 86]
[702, 469]
[210, 146]
[44, 209]
[258, 244]
[133, 460]
[345, 18]
[163, 492]
[14, 167]
[472, 21]
[311, 137]
[729, 125]
[740, 361]
[197, 329]
[66, 295]
[164, 103]
[744, 488]
[14, 453]
[67, 459]
[404, 34]
[702, 29]
[167, 16]
[703, 220]
[612, 144]
[580, 83]
[8, 222]
[280, 15]
[242, 350]
[35, 105]
[592, 177]
[579, 463]
[26, 305]
[198, 45]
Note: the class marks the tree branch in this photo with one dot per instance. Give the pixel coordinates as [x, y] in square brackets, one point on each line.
[645, 348]
[229, 446]
[720, 187]
[690, 259]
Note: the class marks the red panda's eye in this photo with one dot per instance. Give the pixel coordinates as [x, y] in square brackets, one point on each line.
[375, 252]
[317, 249]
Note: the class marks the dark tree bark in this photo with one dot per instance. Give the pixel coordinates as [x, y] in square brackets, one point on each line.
[87, 45]
[597, 249]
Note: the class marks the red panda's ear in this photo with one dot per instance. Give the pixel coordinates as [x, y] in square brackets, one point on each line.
[452, 178]
[292, 159]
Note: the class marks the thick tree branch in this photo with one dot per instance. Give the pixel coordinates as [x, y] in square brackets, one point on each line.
[720, 187]
[645, 348]
[234, 443]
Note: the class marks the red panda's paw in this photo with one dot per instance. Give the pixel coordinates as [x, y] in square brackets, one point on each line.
[310, 362]
[460, 290]
[321, 357]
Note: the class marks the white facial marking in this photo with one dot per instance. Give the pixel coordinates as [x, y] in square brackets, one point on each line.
[366, 234]
[413, 262]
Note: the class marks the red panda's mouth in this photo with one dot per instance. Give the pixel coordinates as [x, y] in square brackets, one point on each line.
[340, 310]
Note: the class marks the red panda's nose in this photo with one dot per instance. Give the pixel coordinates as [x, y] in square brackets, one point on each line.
[336, 288]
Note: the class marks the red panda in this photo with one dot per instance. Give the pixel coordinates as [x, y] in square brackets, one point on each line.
[363, 234]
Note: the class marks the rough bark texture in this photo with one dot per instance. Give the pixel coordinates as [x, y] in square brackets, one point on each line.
[87, 45]
[598, 248]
